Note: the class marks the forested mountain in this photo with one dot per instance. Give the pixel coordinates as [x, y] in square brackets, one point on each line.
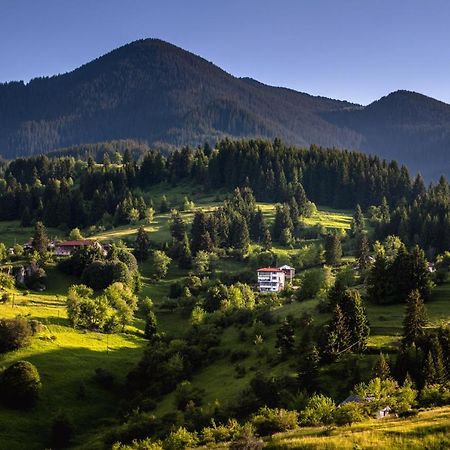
[154, 92]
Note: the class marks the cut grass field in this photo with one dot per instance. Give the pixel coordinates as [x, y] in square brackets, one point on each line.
[429, 430]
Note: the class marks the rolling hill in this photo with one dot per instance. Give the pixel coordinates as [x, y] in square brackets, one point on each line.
[155, 92]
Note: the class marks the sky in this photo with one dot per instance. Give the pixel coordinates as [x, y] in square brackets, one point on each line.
[358, 50]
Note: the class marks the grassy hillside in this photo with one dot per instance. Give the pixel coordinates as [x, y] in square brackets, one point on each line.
[67, 358]
[429, 430]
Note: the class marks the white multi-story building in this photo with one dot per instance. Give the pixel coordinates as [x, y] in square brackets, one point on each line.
[271, 279]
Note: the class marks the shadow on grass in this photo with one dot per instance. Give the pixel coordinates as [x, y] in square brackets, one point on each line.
[63, 371]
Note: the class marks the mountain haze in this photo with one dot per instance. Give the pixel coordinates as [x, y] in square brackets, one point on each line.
[155, 92]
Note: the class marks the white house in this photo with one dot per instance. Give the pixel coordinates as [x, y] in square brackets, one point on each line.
[271, 279]
[289, 272]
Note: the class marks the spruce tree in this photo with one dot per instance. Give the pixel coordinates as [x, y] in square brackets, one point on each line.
[184, 253]
[308, 369]
[142, 245]
[429, 370]
[177, 226]
[333, 250]
[40, 240]
[356, 319]
[285, 338]
[151, 327]
[338, 335]
[363, 252]
[381, 368]
[438, 358]
[415, 318]
[357, 225]
[267, 240]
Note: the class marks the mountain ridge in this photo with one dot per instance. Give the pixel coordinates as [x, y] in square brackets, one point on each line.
[154, 91]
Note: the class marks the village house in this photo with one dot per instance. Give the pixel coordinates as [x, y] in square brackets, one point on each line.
[66, 248]
[271, 279]
[289, 272]
[380, 414]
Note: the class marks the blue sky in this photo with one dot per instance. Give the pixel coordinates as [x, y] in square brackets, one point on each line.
[357, 50]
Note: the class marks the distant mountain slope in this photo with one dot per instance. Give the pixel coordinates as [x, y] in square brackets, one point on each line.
[152, 91]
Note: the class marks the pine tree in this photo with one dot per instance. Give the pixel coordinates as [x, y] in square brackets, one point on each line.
[381, 368]
[333, 250]
[308, 369]
[267, 240]
[164, 205]
[151, 327]
[40, 240]
[239, 235]
[184, 253]
[282, 221]
[356, 319]
[338, 335]
[285, 338]
[415, 318]
[429, 370]
[357, 225]
[438, 359]
[142, 245]
[385, 213]
[363, 252]
[177, 226]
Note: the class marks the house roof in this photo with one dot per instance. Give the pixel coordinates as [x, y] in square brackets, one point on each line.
[352, 399]
[269, 269]
[77, 243]
[286, 267]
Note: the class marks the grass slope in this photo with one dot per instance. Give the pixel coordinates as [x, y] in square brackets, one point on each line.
[429, 430]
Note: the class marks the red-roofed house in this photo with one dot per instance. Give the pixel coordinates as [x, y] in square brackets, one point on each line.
[66, 248]
[271, 279]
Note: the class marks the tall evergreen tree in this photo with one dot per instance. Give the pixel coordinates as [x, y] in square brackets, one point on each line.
[151, 325]
[184, 253]
[177, 226]
[338, 335]
[308, 369]
[415, 318]
[40, 240]
[381, 368]
[357, 225]
[333, 250]
[285, 338]
[363, 252]
[356, 319]
[142, 245]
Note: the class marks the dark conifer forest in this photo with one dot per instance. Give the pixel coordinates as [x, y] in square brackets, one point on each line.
[61, 190]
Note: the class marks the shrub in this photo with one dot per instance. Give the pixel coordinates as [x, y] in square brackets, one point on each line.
[20, 385]
[180, 440]
[312, 281]
[348, 413]
[318, 411]
[62, 430]
[247, 440]
[146, 444]
[222, 433]
[268, 421]
[146, 306]
[186, 393]
[14, 334]
[435, 395]
[6, 281]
